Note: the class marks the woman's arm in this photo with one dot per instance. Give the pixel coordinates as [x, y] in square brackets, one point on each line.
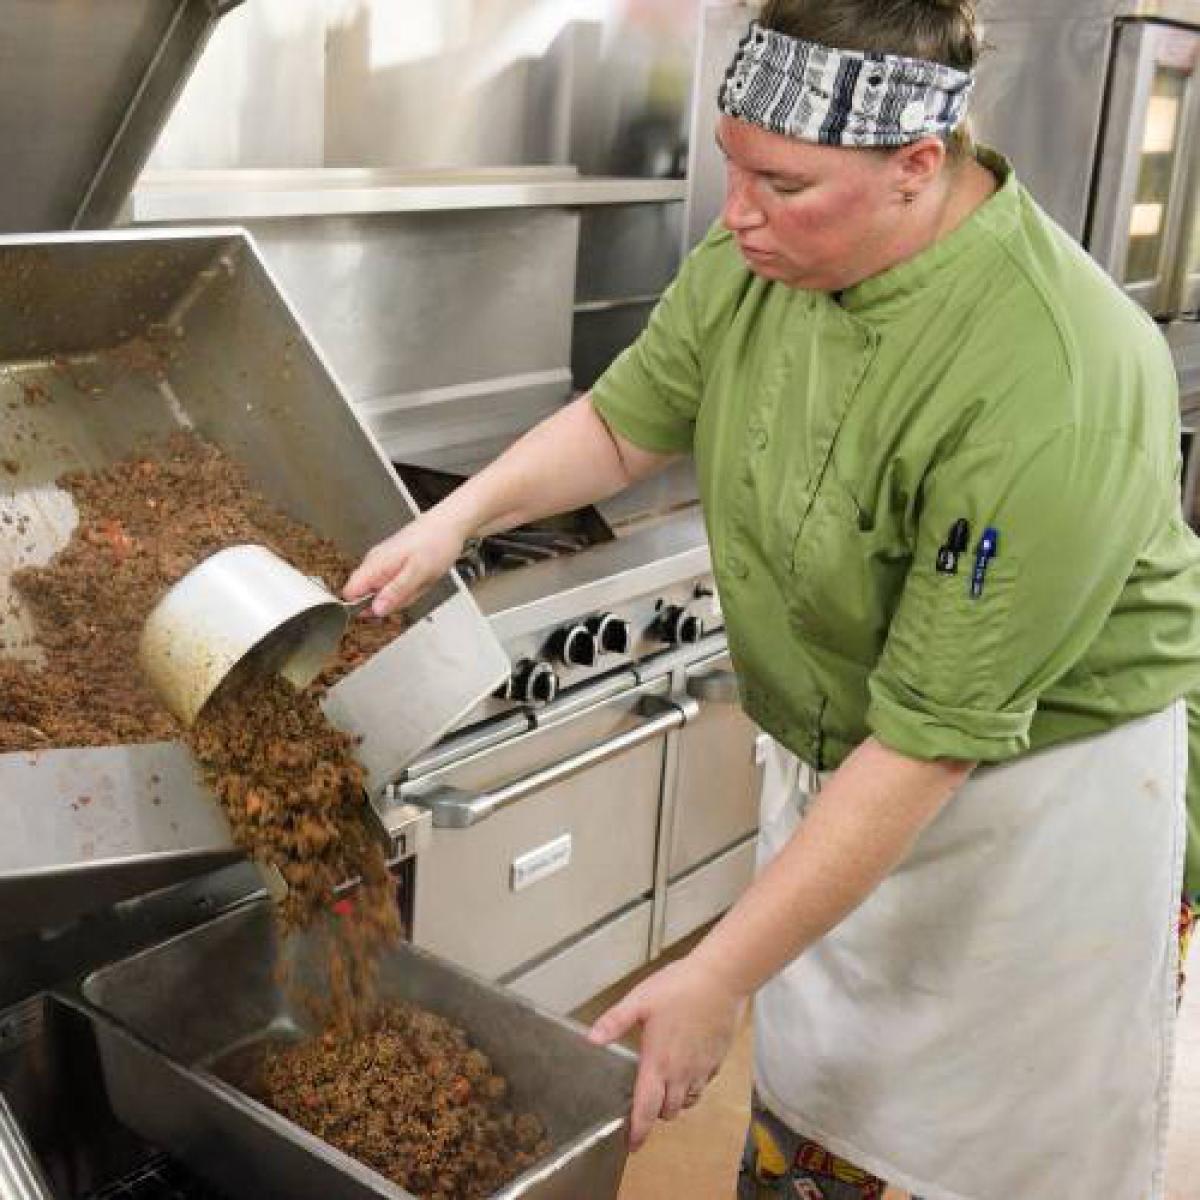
[860, 827]
[569, 460]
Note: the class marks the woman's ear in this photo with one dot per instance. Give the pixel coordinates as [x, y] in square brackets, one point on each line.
[917, 166]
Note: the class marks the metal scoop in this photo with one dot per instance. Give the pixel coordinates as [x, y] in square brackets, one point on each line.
[242, 610]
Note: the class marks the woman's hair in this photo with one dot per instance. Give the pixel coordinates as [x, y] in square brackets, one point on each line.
[943, 31]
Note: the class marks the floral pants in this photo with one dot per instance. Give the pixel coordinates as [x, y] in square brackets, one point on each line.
[778, 1162]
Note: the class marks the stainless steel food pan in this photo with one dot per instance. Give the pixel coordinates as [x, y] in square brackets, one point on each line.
[107, 340]
[164, 1015]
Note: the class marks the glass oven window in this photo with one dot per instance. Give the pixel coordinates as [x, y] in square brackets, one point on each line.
[1156, 173]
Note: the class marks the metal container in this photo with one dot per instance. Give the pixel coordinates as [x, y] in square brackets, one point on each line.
[83, 828]
[166, 1018]
[111, 339]
[242, 611]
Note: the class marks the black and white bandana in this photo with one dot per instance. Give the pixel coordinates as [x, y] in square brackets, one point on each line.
[841, 97]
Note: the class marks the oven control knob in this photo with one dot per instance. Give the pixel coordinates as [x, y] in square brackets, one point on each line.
[612, 633]
[534, 681]
[574, 646]
[678, 627]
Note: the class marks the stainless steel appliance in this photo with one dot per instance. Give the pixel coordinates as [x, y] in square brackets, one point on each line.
[607, 806]
[135, 1048]
[241, 372]
[1143, 220]
[171, 1026]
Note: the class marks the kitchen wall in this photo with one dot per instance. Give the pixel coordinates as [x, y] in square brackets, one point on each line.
[257, 95]
[600, 84]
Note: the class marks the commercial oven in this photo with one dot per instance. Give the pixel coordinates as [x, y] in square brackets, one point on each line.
[547, 835]
[1143, 225]
[1145, 198]
[564, 859]
[619, 816]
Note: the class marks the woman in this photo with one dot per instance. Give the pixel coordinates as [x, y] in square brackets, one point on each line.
[938, 455]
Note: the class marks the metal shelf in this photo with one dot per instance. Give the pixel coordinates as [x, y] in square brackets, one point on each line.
[250, 195]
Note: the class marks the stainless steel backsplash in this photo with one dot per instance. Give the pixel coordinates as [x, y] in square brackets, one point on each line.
[601, 84]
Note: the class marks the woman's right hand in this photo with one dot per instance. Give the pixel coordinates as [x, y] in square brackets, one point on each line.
[408, 563]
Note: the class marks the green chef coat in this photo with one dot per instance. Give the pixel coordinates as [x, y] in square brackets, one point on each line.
[998, 377]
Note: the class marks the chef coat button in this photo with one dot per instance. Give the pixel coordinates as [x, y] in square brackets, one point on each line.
[738, 569]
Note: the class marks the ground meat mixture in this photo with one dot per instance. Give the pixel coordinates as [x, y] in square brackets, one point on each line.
[293, 793]
[411, 1099]
[143, 523]
[399, 1088]
[287, 779]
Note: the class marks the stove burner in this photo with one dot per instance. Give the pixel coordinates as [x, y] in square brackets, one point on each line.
[516, 548]
[555, 537]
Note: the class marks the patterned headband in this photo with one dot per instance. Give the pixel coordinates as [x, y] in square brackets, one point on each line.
[841, 97]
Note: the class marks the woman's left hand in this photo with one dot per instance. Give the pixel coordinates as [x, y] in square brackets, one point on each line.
[688, 1018]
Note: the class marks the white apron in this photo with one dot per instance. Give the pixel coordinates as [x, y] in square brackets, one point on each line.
[996, 1021]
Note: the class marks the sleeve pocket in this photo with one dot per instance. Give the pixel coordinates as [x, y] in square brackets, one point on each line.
[946, 645]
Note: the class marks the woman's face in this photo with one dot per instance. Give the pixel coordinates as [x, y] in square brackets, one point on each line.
[821, 218]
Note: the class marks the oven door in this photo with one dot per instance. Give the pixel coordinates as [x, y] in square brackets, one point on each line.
[1184, 339]
[546, 837]
[1183, 297]
[720, 773]
[1144, 199]
[714, 808]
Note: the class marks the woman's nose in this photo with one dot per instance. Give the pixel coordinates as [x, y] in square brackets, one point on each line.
[740, 211]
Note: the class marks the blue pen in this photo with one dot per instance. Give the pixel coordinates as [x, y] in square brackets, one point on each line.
[989, 543]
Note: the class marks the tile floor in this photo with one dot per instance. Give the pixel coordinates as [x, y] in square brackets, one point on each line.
[696, 1156]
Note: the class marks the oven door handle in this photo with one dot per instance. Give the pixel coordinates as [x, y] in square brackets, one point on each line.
[21, 1177]
[454, 808]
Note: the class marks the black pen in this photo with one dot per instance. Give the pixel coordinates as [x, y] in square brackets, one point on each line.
[957, 540]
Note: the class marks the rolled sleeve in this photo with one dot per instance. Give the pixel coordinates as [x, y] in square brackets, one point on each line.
[910, 724]
[960, 675]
